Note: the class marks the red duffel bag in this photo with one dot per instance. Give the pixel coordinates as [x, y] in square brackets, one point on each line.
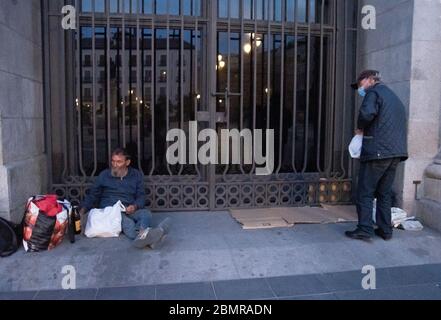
[45, 223]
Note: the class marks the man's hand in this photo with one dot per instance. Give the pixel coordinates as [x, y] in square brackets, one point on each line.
[359, 132]
[131, 209]
[82, 211]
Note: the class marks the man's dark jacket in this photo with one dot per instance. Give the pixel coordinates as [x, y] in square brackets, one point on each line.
[384, 122]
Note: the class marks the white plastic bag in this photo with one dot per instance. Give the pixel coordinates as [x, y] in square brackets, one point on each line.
[400, 219]
[105, 223]
[355, 146]
[399, 216]
[411, 226]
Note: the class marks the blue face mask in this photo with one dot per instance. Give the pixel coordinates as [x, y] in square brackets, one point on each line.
[361, 92]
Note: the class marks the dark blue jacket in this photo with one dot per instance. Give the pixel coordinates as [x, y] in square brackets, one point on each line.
[108, 190]
[384, 122]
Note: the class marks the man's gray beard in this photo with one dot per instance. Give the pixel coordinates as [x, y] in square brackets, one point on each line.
[118, 173]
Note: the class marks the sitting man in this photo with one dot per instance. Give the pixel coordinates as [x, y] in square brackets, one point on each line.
[125, 184]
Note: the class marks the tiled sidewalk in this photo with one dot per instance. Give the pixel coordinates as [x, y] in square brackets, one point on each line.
[212, 253]
[400, 283]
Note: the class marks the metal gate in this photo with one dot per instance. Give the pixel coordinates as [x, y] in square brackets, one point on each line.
[134, 69]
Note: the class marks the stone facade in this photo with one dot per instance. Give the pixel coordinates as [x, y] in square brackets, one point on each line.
[424, 135]
[429, 206]
[23, 170]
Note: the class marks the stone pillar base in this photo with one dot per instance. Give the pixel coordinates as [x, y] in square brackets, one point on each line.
[429, 207]
[429, 213]
[19, 181]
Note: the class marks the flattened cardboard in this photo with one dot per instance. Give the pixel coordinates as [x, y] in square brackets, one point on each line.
[304, 215]
[288, 217]
[265, 224]
[342, 213]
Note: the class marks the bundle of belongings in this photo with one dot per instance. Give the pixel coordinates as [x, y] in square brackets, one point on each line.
[400, 220]
[45, 223]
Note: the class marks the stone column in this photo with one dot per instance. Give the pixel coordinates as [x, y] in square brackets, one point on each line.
[429, 206]
[425, 97]
[23, 164]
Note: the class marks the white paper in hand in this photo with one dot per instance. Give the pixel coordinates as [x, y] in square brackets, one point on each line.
[355, 146]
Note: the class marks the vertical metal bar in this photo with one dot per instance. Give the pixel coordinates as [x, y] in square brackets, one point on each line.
[65, 97]
[242, 37]
[330, 95]
[109, 128]
[344, 91]
[353, 46]
[334, 85]
[95, 165]
[282, 91]
[124, 84]
[329, 116]
[79, 102]
[358, 61]
[268, 80]
[143, 102]
[118, 84]
[181, 74]
[228, 89]
[153, 94]
[212, 62]
[308, 69]
[196, 89]
[321, 86]
[254, 3]
[131, 92]
[47, 88]
[294, 112]
[168, 80]
[139, 90]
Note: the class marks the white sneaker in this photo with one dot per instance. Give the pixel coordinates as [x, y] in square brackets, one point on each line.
[165, 225]
[147, 237]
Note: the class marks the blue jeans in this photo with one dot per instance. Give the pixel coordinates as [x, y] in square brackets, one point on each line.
[132, 224]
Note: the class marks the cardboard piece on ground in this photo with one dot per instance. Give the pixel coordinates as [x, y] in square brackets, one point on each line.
[259, 219]
[342, 213]
[265, 223]
[254, 213]
[288, 217]
[305, 215]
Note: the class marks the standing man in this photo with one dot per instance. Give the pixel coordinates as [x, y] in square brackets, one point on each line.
[125, 184]
[383, 122]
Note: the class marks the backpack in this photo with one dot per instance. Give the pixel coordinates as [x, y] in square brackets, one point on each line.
[10, 237]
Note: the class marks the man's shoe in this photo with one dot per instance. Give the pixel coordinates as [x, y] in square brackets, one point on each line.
[165, 225]
[148, 237]
[156, 245]
[381, 234]
[358, 235]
